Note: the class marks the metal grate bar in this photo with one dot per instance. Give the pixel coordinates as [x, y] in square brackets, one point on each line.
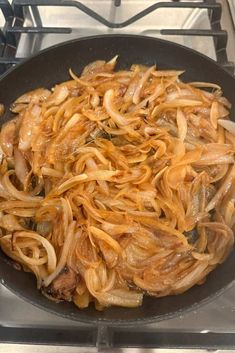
[9, 60]
[2, 38]
[8, 14]
[67, 30]
[220, 42]
[11, 38]
[6, 9]
[36, 15]
[59, 30]
[195, 32]
[75, 337]
[108, 337]
[152, 339]
[18, 4]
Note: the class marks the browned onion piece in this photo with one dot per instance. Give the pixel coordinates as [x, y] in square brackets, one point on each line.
[7, 137]
[111, 110]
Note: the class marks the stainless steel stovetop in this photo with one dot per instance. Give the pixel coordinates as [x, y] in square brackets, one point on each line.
[215, 320]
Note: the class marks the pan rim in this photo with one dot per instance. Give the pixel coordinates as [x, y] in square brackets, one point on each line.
[103, 320]
[121, 322]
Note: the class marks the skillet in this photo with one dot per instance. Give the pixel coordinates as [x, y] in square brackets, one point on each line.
[50, 67]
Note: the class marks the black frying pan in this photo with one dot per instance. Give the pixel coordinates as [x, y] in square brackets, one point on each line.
[50, 67]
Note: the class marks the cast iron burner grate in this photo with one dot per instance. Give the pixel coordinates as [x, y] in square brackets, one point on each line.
[15, 18]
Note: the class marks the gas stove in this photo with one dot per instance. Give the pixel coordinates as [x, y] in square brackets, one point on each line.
[28, 26]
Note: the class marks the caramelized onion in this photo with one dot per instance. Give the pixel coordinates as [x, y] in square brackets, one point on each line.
[108, 180]
[111, 110]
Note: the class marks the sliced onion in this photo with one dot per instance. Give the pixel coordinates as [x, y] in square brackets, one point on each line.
[64, 254]
[94, 151]
[31, 261]
[136, 95]
[51, 256]
[51, 172]
[167, 73]
[193, 277]
[222, 190]
[10, 223]
[20, 195]
[4, 193]
[205, 84]
[100, 234]
[95, 100]
[111, 110]
[182, 124]
[180, 94]
[216, 153]
[120, 297]
[30, 121]
[178, 103]
[161, 226]
[93, 67]
[35, 96]
[6, 205]
[7, 137]
[60, 93]
[214, 114]
[21, 168]
[228, 125]
[112, 62]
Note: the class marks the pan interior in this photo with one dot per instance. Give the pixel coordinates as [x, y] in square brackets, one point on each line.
[51, 67]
